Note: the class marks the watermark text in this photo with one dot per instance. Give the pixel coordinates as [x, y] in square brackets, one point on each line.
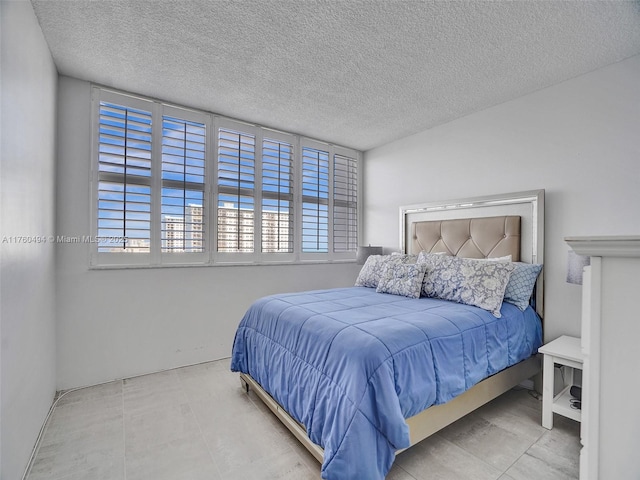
[35, 239]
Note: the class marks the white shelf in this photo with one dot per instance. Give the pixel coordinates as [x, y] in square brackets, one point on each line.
[562, 405]
[565, 347]
[562, 351]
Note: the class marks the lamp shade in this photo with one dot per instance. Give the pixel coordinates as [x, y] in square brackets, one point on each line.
[365, 252]
[575, 267]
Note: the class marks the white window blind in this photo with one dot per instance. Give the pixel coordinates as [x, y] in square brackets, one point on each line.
[183, 185]
[315, 200]
[124, 179]
[277, 197]
[345, 204]
[236, 191]
[175, 186]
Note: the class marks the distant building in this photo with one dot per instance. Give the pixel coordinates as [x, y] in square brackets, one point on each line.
[134, 245]
[195, 222]
[183, 234]
[172, 234]
[277, 232]
[235, 231]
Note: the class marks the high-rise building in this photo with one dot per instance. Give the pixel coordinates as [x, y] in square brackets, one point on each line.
[194, 223]
[235, 230]
[134, 245]
[172, 234]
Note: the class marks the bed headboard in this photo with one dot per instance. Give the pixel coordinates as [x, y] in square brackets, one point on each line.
[485, 237]
[482, 227]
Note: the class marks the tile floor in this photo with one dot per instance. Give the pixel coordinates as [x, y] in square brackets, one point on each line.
[196, 423]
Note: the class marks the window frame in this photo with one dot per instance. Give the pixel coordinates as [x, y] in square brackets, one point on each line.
[245, 129]
[332, 150]
[280, 257]
[210, 255]
[348, 154]
[115, 258]
[183, 258]
[315, 145]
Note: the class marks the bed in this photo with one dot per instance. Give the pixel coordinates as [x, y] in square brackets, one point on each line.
[358, 373]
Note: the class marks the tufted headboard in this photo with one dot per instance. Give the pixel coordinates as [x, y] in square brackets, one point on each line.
[480, 227]
[483, 237]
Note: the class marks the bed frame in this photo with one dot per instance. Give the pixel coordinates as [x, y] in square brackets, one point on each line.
[484, 227]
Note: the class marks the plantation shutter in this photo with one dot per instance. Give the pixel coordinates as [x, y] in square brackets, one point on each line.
[315, 200]
[236, 191]
[166, 191]
[345, 204]
[183, 185]
[277, 196]
[124, 179]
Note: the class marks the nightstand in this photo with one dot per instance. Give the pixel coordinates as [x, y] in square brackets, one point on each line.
[565, 351]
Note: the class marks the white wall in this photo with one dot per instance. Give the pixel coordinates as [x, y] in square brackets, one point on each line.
[119, 323]
[578, 140]
[27, 328]
[619, 440]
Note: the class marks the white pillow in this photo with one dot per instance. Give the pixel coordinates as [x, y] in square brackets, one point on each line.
[505, 259]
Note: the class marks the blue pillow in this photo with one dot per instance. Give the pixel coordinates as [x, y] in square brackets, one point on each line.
[521, 282]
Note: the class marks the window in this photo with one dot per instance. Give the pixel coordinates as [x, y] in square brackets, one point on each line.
[315, 200]
[345, 203]
[177, 186]
[124, 179]
[277, 196]
[183, 185]
[236, 190]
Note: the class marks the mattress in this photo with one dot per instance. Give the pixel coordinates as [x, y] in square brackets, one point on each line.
[351, 364]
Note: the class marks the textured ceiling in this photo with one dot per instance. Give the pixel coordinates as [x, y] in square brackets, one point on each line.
[355, 73]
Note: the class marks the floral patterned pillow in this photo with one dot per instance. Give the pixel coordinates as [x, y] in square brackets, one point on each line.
[402, 279]
[466, 281]
[521, 282]
[406, 257]
[371, 271]
[375, 266]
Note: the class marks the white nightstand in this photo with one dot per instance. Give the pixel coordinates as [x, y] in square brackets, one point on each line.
[566, 351]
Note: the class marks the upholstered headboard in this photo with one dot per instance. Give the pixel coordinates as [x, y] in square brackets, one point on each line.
[484, 237]
[482, 227]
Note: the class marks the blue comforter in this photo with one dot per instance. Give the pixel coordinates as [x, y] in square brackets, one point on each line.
[351, 364]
